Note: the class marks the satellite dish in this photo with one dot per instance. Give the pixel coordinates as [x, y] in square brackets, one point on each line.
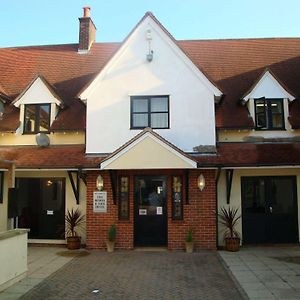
[42, 140]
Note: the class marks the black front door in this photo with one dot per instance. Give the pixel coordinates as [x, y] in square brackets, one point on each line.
[269, 206]
[41, 203]
[150, 222]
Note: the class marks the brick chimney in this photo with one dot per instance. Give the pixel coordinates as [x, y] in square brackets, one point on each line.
[87, 31]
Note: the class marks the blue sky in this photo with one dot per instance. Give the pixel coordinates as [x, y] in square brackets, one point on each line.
[38, 22]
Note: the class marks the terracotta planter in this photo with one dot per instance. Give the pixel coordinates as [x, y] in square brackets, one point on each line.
[189, 247]
[232, 244]
[110, 246]
[73, 242]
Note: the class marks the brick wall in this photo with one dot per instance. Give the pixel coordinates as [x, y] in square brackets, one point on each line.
[199, 214]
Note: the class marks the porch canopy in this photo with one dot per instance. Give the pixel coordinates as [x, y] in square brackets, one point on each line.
[148, 150]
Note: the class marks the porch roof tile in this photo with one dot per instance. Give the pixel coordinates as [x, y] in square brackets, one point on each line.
[227, 155]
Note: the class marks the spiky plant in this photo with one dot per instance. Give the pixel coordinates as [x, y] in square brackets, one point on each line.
[189, 236]
[112, 232]
[229, 217]
[74, 221]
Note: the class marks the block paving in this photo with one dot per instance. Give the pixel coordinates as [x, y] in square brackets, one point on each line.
[139, 275]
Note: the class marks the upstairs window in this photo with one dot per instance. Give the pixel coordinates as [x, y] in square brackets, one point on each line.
[150, 111]
[36, 118]
[269, 114]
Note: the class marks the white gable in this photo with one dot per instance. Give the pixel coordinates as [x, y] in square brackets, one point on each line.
[148, 152]
[37, 93]
[268, 87]
[149, 28]
[171, 73]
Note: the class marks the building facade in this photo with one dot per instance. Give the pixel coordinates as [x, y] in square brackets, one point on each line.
[171, 131]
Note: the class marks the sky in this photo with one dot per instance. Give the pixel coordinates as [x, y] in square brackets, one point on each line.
[42, 22]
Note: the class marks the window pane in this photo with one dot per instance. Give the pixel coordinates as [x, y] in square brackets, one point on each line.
[140, 105]
[261, 120]
[124, 199]
[44, 117]
[159, 104]
[159, 120]
[276, 109]
[140, 120]
[29, 121]
[177, 209]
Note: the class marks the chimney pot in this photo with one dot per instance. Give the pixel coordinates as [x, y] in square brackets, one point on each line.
[86, 11]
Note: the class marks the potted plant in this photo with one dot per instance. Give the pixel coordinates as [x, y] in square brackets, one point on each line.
[74, 221]
[189, 243]
[110, 244]
[229, 217]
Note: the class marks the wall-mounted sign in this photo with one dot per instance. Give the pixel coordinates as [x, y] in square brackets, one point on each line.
[100, 202]
[159, 210]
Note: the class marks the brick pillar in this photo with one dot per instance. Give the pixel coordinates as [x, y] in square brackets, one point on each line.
[97, 224]
[199, 214]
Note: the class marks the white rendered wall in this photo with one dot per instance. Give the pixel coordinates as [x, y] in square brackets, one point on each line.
[13, 257]
[192, 115]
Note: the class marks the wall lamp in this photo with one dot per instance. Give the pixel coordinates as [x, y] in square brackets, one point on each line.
[201, 182]
[99, 183]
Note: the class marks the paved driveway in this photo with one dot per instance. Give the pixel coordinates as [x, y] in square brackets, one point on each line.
[266, 273]
[139, 275]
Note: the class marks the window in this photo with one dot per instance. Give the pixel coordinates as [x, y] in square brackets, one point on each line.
[124, 198]
[177, 207]
[150, 111]
[269, 113]
[36, 118]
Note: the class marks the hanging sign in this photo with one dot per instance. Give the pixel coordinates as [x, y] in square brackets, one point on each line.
[100, 202]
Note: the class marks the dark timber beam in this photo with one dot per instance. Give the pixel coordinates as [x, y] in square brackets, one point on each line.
[113, 180]
[229, 175]
[75, 187]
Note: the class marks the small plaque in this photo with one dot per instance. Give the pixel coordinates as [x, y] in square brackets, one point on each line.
[50, 212]
[142, 212]
[100, 202]
[159, 210]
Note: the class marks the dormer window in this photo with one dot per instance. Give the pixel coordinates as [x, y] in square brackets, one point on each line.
[269, 114]
[36, 118]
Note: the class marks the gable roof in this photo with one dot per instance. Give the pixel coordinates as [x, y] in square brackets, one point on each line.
[233, 65]
[270, 74]
[176, 48]
[182, 159]
[46, 83]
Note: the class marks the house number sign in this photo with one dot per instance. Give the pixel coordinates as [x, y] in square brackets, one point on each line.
[100, 202]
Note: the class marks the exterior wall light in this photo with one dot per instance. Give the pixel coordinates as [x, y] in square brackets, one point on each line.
[201, 182]
[99, 183]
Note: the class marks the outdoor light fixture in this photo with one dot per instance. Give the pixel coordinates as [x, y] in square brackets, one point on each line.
[149, 56]
[201, 182]
[99, 183]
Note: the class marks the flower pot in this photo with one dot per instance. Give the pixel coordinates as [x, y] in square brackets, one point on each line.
[73, 242]
[110, 245]
[189, 247]
[232, 244]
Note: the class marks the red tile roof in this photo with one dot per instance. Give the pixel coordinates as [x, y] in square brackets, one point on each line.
[228, 155]
[233, 65]
[250, 154]
[53, 157]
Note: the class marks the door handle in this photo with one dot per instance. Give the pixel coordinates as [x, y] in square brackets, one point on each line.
[271, 209]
